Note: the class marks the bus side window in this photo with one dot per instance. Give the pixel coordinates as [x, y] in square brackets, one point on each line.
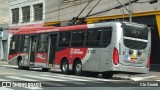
[12, 46]
[106, 36]
[77, 38]
[42, 43]
[93, 37]
[26, 43]
[64, 39]
[18, 43]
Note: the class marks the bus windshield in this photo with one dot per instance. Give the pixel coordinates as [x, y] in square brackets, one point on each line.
[135, 37]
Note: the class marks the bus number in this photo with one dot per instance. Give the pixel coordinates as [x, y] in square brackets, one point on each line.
[92, 51]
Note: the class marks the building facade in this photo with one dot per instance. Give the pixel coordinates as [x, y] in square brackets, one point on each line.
[4, 18]
[52, 12]
[26, 12]
[4, 12]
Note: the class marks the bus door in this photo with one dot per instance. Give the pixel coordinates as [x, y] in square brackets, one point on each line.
[52, 49]
[33, 44]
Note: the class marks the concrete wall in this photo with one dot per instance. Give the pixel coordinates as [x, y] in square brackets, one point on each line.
[4, 11]
[54, 10]
[4, 42]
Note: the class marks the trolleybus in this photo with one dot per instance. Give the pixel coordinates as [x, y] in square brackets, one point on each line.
[101, 48]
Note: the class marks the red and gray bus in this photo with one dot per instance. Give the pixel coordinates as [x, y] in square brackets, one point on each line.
[103, 48]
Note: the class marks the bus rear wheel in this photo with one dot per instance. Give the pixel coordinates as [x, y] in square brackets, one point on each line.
[107, 75]
[78, 68]
[65, 67]
[22, 67]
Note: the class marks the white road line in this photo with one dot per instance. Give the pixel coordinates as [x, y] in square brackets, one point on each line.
[33, 88]
[157, 80]
[84, 78]
[46, 78]
[4, 88]
[68, 78]
[141, 78]
[14, 66]
[49, 79]
[4, 80]
[20, 78]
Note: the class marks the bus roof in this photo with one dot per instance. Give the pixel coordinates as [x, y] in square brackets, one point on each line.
[45, 29]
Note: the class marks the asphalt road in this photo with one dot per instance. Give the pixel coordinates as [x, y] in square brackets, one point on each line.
[54, 80]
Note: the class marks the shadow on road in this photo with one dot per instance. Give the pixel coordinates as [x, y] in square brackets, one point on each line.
[155, 68]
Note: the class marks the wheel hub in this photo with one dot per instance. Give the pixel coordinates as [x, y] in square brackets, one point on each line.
[78, 67]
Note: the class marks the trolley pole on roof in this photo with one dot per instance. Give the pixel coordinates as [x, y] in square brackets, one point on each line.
[130, 13]
[129, 10]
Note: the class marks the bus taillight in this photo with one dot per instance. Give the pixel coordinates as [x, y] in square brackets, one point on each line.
[148, 63]
[115, 56]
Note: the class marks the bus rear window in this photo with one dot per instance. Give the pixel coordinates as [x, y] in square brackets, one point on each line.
[135, 32]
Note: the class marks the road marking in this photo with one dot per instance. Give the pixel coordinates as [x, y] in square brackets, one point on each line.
[46, 78]
[13, 66]
[157, 80]
[50, 79]
[69, 78]
[81, 77]
[5, 72]
[4, 88]
[33, 88]
[141, 78]
[4, 80]
[20, 78]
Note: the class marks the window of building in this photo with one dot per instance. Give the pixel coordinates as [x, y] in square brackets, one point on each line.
[93, 37]
[43, 43]
[77, 38]
[15, 15]
[38, 12]
[73, 1]
[64, 39]
[26, 13]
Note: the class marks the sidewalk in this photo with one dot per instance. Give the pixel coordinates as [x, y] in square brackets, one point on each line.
[3, 62]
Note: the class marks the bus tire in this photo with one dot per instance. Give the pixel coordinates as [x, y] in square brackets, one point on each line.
[107, 75]
[77, 68]
[19, 66]
[45, 69]
[64, 66]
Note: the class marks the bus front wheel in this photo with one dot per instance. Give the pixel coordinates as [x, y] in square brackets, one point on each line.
[19, 64]
[107, 75]
[78, 68]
